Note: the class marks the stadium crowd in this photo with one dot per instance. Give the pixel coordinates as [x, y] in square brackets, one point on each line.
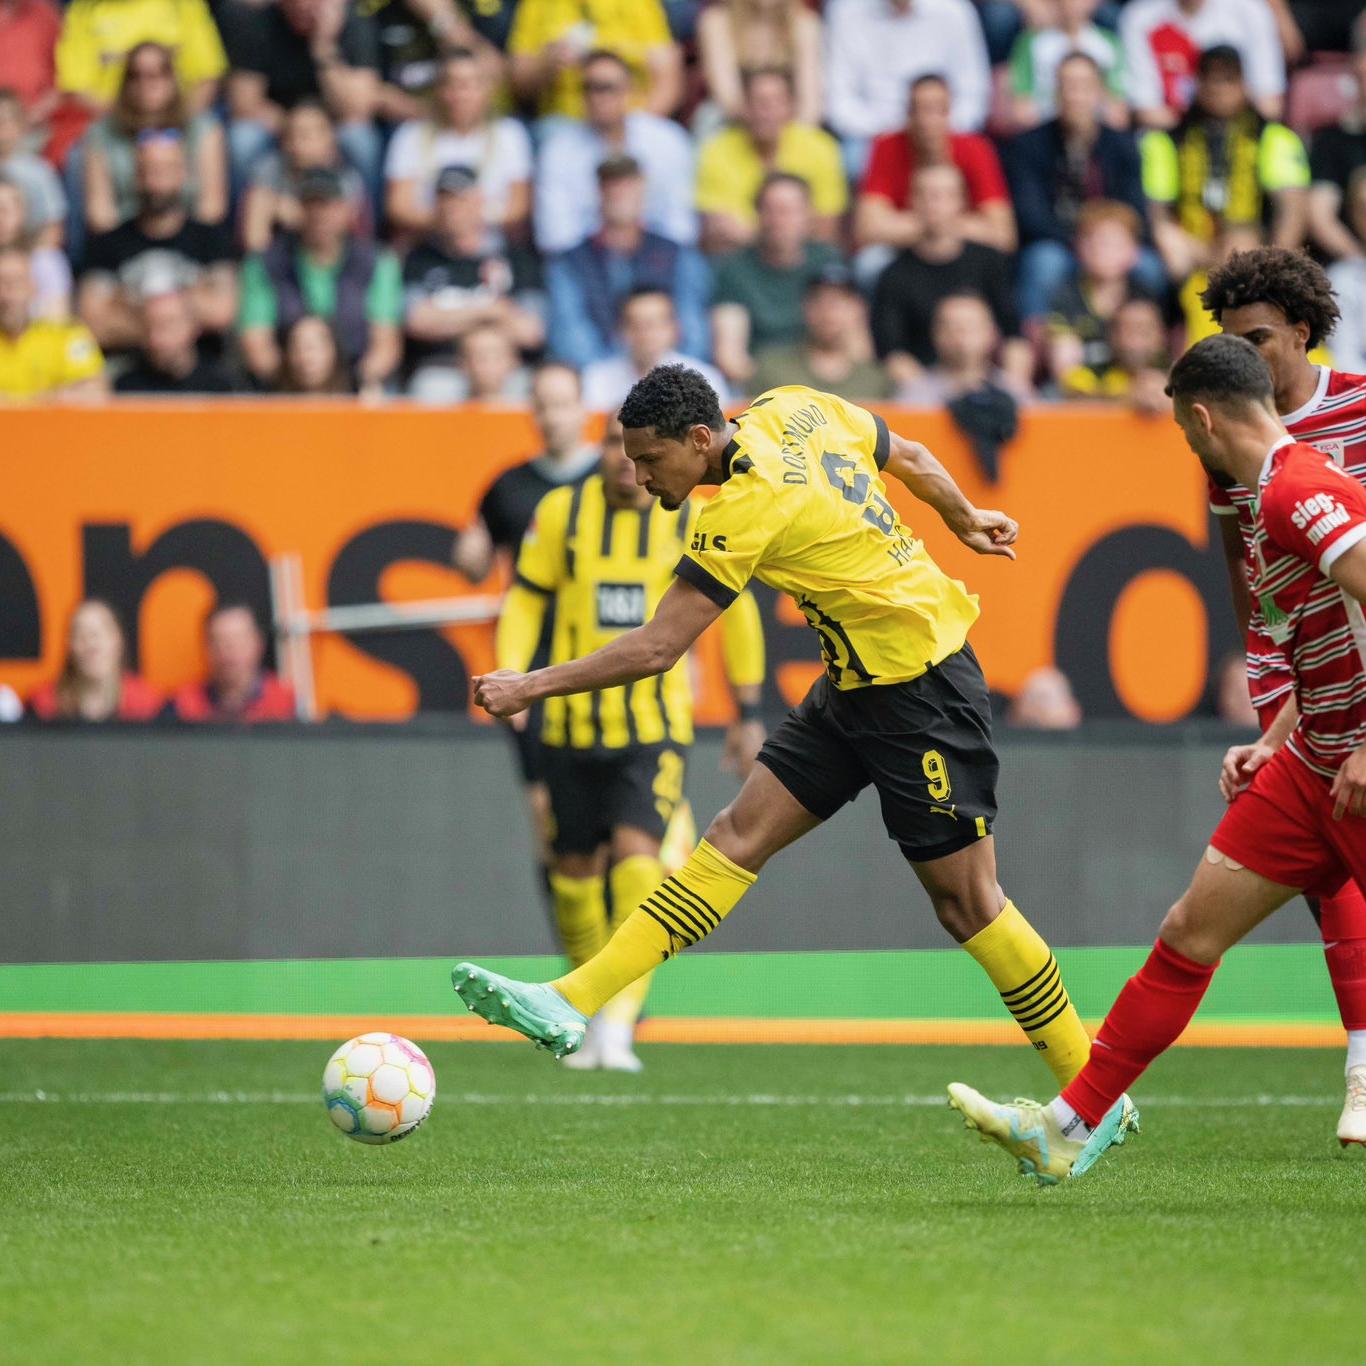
[971, 203]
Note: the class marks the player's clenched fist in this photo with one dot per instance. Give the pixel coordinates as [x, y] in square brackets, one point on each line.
[988, 532]
[502, 693]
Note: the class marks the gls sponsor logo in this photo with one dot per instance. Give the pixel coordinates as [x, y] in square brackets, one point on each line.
[703, 540]
[1320, 513]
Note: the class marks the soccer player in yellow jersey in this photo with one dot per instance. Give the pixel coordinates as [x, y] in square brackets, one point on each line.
[902, 705]
[600, 555]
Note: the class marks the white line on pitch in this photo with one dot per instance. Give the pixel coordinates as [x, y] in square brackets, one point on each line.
[40, 1097]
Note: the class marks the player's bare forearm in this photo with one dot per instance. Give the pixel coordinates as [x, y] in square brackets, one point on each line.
[1281, 729]
[986, 531]
[683, 614]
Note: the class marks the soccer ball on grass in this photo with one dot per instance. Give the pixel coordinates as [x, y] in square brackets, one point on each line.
[378, 1088]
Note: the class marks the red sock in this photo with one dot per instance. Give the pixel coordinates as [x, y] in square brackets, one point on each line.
[1146, 1019]
[1342, 918]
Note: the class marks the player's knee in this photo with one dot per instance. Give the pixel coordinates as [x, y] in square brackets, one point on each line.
[739, 839]
[1183, 931]
[965, 911]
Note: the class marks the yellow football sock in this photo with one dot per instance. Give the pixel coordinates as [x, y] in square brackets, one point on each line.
[580, 915]
[632, 880]
[1024, 971]
[683, 908]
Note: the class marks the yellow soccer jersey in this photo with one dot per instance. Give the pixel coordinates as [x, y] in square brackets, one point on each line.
[802, 507]
[603, 570]
[45, 357]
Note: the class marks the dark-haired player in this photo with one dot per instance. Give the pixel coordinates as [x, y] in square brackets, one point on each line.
[1297, 823]
[1282, 302]
[902, 704]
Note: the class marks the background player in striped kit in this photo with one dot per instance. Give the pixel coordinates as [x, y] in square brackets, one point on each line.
[1282, 302]
[600, 555]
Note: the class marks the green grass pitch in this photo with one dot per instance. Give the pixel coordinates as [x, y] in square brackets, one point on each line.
[732, 1205]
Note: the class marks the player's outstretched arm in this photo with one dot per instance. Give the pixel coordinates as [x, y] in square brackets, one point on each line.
[1348, 571]
[987, 532]
[683, 614]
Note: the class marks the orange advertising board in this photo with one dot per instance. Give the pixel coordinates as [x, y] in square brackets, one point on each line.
[161, 507]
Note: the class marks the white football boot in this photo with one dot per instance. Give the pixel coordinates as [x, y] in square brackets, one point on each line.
[589, 1056]
[615, 1045]
[1352, 1122]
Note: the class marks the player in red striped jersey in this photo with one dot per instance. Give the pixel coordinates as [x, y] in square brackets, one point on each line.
[1297, 822]
[1282, 302]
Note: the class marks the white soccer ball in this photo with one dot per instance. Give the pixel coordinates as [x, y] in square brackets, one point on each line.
[378, 1088]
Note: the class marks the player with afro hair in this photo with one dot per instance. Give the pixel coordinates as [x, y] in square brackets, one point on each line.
[672, 398]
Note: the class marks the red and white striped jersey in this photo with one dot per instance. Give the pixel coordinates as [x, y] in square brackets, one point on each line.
[1334, 422]
[1309, 513]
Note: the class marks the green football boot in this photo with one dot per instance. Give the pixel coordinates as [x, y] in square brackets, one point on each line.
[535, 1009]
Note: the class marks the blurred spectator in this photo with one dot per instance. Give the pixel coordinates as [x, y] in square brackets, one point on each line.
[732, 164]
[1038, 52]
[452, 282]
[550, 39]
[238, 688]
[160, 249]
[1232, 701]
[1045, 702]
[461, 132]
[1137, 364]
[736, 36]
[488, 369]
[649, 332]
[295, 50]
[44, 199]
[757, 291]
[876, 48]
[966, 341]
[414, 35]
[509, 503]
[323, 270]
[835, 353]
[1336, 153]
[95, 683]
[1056, 168]
[1223, 169]
[588, 283]
[148, 100]
[941, 262]
[1308, 26]
[51, 273]
[308, 141]
[571, 151]
[97, 36]
[169, 360]
[28, 61]
[41, 358]
[312, 362]
[1163, 40]
[11, 707]
[1079, 316]
[1349, 283]
[885, 215]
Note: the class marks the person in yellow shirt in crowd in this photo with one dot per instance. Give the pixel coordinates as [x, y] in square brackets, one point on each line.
[98, 34]
[550, 39]
[733, 164]
[598, 557]
[44, 358]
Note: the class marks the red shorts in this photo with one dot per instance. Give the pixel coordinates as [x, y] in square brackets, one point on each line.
[1282, 828]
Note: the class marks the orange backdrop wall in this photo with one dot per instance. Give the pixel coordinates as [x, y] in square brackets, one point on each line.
[162, 506]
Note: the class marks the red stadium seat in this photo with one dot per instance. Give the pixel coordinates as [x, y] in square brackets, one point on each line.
[1319, 95]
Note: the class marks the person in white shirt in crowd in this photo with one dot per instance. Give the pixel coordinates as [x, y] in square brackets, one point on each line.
[462, 131]
[488, 369]
[650, 332]
[1163, 40]
[571, 150]
[44, 199]
[51, 270]
[876, 48]
[1349, 284]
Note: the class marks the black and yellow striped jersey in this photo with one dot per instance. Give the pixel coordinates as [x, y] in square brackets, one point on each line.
[802, 507]
[601, 571]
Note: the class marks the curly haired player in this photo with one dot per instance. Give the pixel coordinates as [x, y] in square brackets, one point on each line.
[1282, 302]
[902, 704]
[1296, 820]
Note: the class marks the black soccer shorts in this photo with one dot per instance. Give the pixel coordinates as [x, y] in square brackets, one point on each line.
[594, 791]
[925, 745]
